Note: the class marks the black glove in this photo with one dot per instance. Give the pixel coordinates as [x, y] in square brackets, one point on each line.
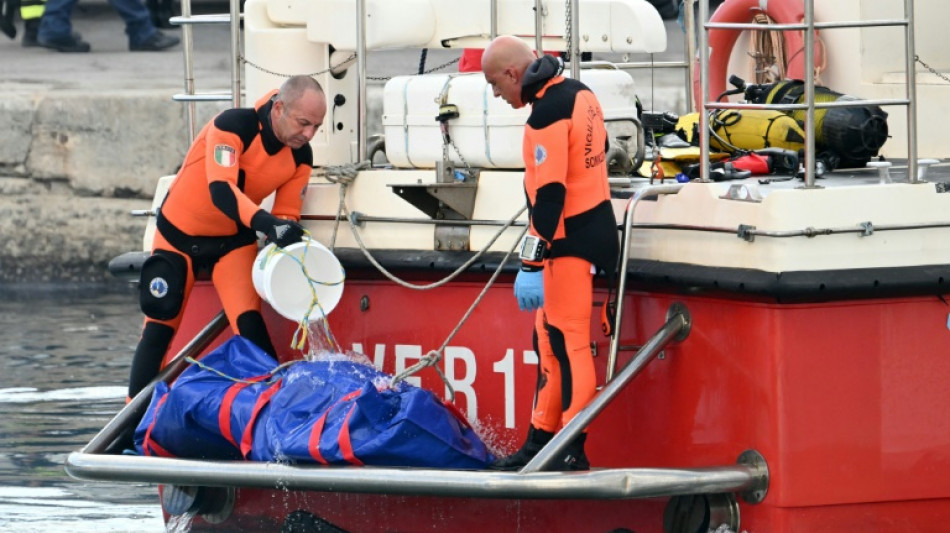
[278, 231]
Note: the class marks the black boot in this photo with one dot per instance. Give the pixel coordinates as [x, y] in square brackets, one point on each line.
[573, 457]
[536, 440]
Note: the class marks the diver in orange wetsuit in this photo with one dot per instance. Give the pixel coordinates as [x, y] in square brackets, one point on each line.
[209, 219]
[573, 231]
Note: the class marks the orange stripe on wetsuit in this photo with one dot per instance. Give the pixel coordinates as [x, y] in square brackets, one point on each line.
[568, 195]
[235, 162]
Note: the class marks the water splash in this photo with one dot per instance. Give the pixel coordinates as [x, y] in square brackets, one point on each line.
[179, 523]
[724, 529]
[323, 345]
[496, 443]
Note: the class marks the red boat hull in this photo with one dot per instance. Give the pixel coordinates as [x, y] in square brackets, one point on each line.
[844, 400]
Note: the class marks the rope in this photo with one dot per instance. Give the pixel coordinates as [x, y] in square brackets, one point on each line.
[768, 53]
[434, 284]
[434, 356]
[342, 175]
[348, 174]
[303, 327]
[200, 364]
[823, 59]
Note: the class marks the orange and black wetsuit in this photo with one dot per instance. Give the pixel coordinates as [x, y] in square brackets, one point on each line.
[204, 224]
[564, 150]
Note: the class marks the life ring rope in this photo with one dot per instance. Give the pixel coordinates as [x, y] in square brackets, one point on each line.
[722, 41]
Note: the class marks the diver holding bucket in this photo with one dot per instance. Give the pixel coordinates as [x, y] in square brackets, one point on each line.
[208, 222]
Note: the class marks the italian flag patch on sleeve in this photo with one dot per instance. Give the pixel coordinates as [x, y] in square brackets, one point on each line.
[225, 155]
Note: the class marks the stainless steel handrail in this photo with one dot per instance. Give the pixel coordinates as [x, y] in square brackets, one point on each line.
[599, 484]
[362, 135]
[624, 262]
[235, 21]
[190, 96]
[538, 25]
[802, 26]
[575, 50]
[910, 58]
[689, 19]
[816, 105]
[676, 328]
[202, 97]
[130, 415]
[200, 20]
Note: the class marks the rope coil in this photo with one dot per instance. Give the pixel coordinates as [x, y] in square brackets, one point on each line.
[344, 176]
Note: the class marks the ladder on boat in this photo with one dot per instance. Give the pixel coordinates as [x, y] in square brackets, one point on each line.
[190, 97]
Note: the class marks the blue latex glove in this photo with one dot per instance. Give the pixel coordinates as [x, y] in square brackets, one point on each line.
[529, 290]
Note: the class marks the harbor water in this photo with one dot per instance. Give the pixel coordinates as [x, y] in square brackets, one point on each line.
[65, 352]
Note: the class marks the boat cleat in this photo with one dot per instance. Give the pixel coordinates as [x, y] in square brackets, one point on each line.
[883, 170]
[923, 165]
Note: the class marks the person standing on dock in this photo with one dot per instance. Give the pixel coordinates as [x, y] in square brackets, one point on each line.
[56, 29]
[209, 219]
[573, 231]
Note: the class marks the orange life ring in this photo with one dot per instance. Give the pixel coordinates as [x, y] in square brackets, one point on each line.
[721, 41]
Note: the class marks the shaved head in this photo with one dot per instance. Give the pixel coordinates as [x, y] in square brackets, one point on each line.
[504, 63]
[507, 51]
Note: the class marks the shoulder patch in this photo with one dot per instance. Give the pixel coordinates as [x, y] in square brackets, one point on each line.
[540, 154]
[224, 155]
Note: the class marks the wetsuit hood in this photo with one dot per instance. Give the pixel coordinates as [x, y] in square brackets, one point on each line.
[539, 72]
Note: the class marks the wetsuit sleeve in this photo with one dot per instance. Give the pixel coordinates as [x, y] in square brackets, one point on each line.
[289, 196]
[222, 156]
[551, 163]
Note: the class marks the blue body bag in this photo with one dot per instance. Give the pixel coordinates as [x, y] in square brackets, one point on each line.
[235, 404]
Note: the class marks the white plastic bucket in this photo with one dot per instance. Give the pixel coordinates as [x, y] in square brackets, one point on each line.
[280, 280]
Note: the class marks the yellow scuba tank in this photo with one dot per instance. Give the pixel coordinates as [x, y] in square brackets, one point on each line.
[854, 134]
[745, 129]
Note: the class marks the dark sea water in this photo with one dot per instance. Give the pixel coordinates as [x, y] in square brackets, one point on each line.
[65, 352]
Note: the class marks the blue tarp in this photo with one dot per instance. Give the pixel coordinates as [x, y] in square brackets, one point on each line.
[237, 404]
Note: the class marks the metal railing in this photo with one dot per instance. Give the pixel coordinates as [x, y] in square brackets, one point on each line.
[190, 97]
[645, 192]
[675, 329]
[810, 106]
